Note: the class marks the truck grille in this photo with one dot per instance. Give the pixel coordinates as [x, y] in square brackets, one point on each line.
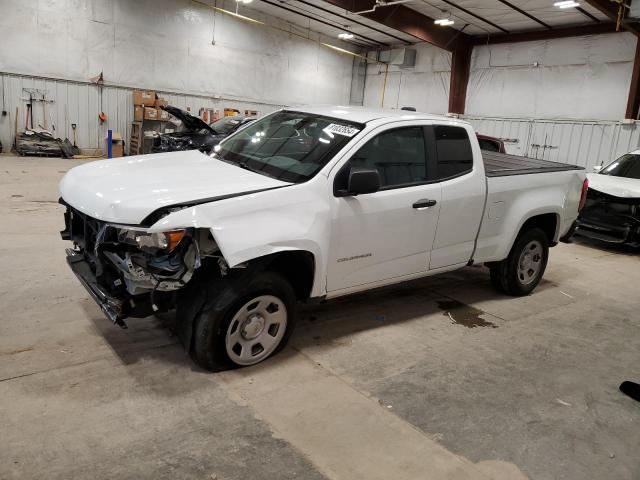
[83, 231]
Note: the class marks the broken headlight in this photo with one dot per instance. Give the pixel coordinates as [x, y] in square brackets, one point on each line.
[151, 242]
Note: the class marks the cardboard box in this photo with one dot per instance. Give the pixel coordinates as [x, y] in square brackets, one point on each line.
[150, 113]
[163, 114]
[138, 113]
[117, 150]
[117, 145]
[144, 97]
[160, 102]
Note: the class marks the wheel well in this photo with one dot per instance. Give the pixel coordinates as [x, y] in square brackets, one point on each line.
[298, 267]
[547, 222]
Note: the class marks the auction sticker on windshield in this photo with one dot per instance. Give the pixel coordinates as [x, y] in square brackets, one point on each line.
[345, 130]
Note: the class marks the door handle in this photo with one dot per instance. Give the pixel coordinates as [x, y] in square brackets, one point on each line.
[424, 204]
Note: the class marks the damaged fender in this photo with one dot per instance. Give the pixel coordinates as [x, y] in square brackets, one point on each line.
[255, 225]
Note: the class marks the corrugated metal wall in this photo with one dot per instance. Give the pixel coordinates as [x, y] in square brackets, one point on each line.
[584, 143]
[80, 103]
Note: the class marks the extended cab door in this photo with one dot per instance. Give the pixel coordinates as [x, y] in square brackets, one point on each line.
[456, 163]
[389, 233]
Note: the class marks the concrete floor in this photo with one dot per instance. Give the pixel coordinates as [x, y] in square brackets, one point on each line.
[440, 378]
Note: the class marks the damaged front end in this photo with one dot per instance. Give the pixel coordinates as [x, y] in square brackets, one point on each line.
[128, 270]
[610, 218]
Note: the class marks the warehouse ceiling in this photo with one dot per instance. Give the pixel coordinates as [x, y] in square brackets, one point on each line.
[494, 16]
[322, 17]
[474, 17]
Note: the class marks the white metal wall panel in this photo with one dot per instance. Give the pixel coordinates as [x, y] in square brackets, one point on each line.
[162, 45]
[81, 103]
[586, 143]
[425, 86]
[173, 45]
[581, 78]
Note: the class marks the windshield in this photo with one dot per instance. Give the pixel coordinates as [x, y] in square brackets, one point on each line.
[626, 166]
[226, 124]
[290, 146]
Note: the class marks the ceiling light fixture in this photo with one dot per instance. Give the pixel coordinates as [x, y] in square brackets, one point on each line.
[566, 4]
[345, 36]
[444, 22]
[244, 1]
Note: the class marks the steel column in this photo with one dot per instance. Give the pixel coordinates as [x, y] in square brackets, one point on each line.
[460, 68]
[633, 103]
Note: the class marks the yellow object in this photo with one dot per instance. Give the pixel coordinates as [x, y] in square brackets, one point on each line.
[174, 238]
[384, 84]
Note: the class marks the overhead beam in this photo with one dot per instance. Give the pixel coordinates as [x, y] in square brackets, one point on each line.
[475, 15]
[592, 29]
[526, 14]
[610, 9]
[633, 103]
[316, 19]
[587, 14]
[406, 20]
[352, 20]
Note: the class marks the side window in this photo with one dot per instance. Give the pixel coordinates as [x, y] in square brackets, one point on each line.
[398, 155]
[454, 154]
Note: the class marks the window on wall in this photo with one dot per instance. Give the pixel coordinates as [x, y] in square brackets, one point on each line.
[398, 155]
[454, 154]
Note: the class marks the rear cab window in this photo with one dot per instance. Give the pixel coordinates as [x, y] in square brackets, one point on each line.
[453, 152]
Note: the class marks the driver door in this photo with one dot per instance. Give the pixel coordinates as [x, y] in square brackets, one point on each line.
[388, 234]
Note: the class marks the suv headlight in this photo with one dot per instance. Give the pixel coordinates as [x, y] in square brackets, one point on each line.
[147, 241]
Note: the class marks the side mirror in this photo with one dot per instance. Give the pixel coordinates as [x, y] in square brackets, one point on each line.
[597, 168]
[363, 180]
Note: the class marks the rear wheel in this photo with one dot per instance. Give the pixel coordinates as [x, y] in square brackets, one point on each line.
[245, 323]
[522, 270]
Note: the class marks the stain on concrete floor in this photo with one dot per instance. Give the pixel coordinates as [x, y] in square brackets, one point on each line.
[465, 315]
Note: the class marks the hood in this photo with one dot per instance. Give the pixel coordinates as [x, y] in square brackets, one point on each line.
[189, 121]
[127, 190]
[617, 186]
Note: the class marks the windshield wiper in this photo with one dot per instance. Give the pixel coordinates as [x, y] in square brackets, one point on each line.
[252, 169]
[245, 166]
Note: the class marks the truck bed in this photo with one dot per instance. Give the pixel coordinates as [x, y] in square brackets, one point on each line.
[502, 165]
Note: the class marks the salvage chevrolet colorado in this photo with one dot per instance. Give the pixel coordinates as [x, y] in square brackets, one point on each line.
[306, 204]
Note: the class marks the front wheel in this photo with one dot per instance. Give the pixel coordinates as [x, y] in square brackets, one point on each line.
[520, 273]
[246, 323]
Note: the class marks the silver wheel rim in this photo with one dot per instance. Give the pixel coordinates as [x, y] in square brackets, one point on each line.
[256, 330]
[530, 262]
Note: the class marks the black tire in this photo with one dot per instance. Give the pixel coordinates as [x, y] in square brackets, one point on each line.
[508, 277]
[224, 299]
[496, 276]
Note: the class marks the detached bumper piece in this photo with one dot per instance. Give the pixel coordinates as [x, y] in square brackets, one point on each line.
[606, 233]
[112, 307]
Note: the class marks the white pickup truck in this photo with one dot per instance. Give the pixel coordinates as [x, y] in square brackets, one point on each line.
[306, 204]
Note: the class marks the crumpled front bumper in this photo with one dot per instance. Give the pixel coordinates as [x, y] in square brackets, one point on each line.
[609, 218]
[112, 307]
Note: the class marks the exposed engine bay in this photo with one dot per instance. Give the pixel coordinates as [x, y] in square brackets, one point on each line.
[130, 271]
